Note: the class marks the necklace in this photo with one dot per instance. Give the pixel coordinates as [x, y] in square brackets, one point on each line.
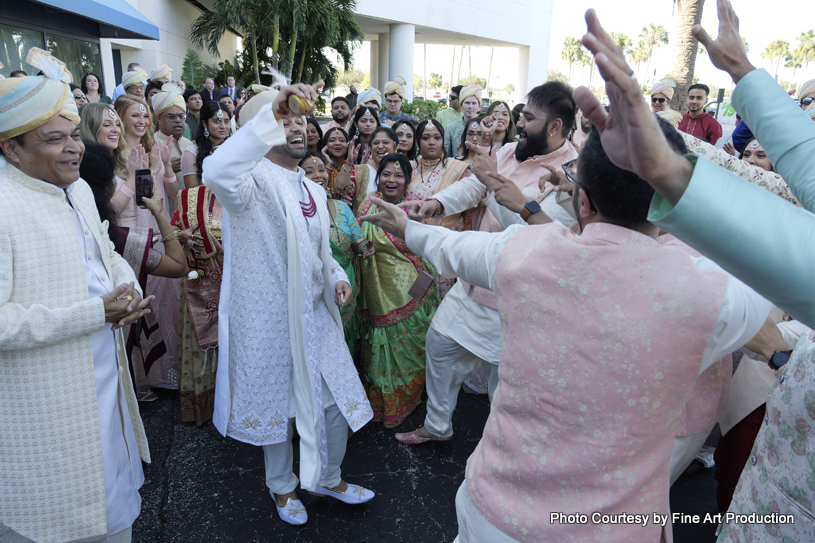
[309, 209]
[428, 163]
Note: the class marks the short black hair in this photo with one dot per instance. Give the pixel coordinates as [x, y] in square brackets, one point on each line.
[620, 195]
[189, 93]
[556, 99]
[342, 98]
[404, 165]
[155, 84]
[457, 89]
[388, 131]
[700, 86]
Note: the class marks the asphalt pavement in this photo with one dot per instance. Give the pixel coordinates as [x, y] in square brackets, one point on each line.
[202, 487]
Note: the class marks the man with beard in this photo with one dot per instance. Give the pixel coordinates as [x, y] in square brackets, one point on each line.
[282, 354]
[340, 114]
[466, 330]
[697, 122]
[581, 131]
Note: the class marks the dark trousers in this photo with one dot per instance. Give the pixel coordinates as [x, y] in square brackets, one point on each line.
[732, 454]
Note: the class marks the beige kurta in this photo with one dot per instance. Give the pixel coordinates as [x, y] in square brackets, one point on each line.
[51, 483]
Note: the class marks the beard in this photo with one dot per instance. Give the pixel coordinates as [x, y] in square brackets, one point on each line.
[340, 119]
[294, 152]
[536, 144]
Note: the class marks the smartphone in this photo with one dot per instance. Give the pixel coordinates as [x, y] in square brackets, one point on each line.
[144, 185]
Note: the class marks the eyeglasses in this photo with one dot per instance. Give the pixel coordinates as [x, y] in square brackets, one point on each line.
[807, 101]
[80, 95]
[660, 100]
[569, 170]
[473, 135]
[453, 97]
[175, 118]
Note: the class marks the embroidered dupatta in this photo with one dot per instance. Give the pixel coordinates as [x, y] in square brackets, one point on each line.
[195, 207]
[135, 244]
[388, 275]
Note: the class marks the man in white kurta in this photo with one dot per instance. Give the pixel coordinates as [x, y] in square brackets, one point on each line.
[466, 329]
[70, 465]
[282, 355]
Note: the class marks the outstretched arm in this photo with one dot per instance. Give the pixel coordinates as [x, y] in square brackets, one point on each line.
[469, 255]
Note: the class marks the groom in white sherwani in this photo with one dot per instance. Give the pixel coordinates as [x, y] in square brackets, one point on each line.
[282, 354]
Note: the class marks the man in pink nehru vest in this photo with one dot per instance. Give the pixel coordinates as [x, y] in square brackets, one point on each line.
[603, 334]
[466, 330]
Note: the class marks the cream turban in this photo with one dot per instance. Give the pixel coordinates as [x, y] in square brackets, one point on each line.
[131, 78]
[261, 96]
[810, 110]
[162, 72]
[169, 96]
[29, 102]
[368, 95]
[469, 90]
[665, 86]
[807, 89]
[396, 86]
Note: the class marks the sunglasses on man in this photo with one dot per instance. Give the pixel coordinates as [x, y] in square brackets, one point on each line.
[660, 100]
[807, 101]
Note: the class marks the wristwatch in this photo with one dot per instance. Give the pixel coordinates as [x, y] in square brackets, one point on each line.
[531, 207]
[779, 359]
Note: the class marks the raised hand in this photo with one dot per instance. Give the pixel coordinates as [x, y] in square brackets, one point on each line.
[414, 209]
[328, 161]
[155, 158]
[729, 148]
[166, 149]
[391, 218]
[483, 163]
[137, 160]
[629, 131]
[367, 156]
[727, 51]
[556, 178]
[507, 193]
[280, 106]
[353, 150]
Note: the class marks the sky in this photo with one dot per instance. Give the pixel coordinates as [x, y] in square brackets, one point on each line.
[761, 22]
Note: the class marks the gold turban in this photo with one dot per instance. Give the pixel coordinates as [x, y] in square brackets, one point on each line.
[665, 86]
[29, 102]
[169, 96]
[470, 90]
[162, 72]
[807, 89]
[131, 78]
[396, 86]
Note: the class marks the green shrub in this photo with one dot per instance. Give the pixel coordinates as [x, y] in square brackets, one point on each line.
[422, 109]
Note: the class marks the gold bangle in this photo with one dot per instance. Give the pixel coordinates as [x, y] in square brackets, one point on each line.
[171, 236]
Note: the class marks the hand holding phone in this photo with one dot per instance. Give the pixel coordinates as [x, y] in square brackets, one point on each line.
[144, 186]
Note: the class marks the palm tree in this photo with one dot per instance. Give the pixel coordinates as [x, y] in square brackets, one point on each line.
[776, 51]
[639, 54]
[652, 36]
[685, 48]
[250, 16]
[572, 52]
[806, 48]
[622, 41]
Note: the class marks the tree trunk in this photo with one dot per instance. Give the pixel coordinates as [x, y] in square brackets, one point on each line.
[470, 61]
[591, 74]
[424, 73]
[451, 83]
[255, 58]
[302, 62]
[460, 59]
[570, 72]
[292, 51]
[685, 47]
[489, 72]
[275, 42]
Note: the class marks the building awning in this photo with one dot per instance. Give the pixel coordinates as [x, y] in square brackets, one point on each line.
[116, 18]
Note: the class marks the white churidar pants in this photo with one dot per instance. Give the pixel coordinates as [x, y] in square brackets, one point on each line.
[448, 365]
[472, 526]
[279, 458]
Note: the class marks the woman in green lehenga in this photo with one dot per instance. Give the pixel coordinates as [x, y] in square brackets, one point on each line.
[398, 315]
[347, 240]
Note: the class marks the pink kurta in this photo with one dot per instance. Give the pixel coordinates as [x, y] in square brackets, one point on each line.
[526, 175]
[598, 333]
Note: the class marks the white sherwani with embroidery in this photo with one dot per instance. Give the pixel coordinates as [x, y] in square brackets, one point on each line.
[280, 332]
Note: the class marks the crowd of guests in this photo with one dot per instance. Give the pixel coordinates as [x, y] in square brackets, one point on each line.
[407, 270]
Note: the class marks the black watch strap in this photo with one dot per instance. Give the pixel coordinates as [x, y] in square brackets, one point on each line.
[779, 359]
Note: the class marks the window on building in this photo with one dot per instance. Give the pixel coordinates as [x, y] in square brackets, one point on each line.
[14, 45]
[80, 56]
